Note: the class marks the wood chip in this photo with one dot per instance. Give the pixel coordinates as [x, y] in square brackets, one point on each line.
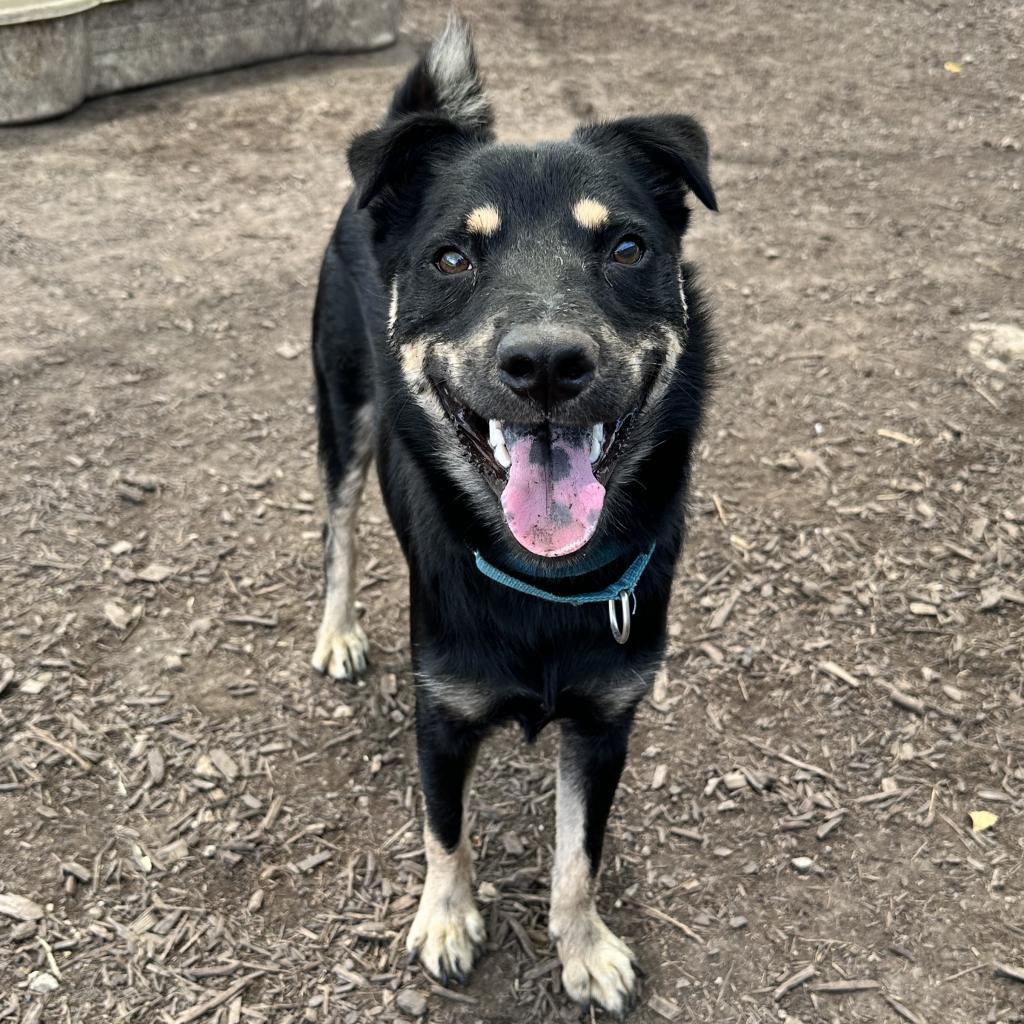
[903, 1011]
[722, 613]
[1006, 971]
[70, 867]
[52, 741]
[314, 861]
[813, 769]
[904, 700]
[252, 620]
[795, 981]
[156, 572]
[660, 915]
[836, 672]
[202, 1009]
[837, 988]
[155, 764]
[21, 908]
[895, 435]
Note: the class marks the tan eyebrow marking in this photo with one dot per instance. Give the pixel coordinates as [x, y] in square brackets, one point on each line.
[484, 220]
[591, 214]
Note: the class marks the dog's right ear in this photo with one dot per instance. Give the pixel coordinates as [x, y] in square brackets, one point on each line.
[439, 107]
[387, 161]
[447, 81]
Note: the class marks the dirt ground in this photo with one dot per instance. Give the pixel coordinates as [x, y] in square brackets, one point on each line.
[205, 830]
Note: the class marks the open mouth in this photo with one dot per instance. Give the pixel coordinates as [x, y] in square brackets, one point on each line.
[550, 476]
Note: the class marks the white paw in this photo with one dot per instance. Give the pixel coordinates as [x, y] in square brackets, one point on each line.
[446, 936]
[341, 653]
[597, 966]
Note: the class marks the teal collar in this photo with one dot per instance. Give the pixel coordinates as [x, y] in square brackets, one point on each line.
[622, 591]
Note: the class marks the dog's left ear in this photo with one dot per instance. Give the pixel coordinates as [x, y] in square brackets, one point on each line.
[673, 149]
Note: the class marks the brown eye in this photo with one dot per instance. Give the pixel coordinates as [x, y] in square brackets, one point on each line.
[628, 252]
[451, 261]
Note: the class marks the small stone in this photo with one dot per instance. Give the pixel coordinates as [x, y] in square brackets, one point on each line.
[117, 615]
[513, 844]
[802, 864]
[411, 1002]
[40, 982]
[225, 764]
[36, 684]
[734, 780]
[665, 1008]
[739, 921]
[173, 663]
[659, 777]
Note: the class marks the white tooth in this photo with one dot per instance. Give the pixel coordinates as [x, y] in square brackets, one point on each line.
[495, 436]
[596, 442]
[501, 455]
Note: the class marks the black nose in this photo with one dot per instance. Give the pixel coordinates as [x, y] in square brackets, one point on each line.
[549, 365]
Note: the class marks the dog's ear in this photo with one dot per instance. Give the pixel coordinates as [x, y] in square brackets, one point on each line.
[385, 162]
[447, 81]
[673, 149]
[438, 108]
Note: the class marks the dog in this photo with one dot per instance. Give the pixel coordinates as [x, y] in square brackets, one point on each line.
[513, 334]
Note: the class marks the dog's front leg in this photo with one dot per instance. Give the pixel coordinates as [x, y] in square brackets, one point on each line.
[448, 931]
[597, 966]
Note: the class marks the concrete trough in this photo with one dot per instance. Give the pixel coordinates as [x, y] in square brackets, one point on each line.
[56, 53]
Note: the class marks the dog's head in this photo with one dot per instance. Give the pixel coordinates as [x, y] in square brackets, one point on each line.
[537, 309]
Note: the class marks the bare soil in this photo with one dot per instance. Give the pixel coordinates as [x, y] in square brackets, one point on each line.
[845, 681]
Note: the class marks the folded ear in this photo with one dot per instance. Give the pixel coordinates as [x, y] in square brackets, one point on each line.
[440, 106]
[673, 149]
[385, 162]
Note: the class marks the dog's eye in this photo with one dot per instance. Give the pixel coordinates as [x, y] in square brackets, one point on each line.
[628, 252]
[451, 261]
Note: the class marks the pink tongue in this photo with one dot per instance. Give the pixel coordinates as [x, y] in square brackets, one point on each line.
[551, 501]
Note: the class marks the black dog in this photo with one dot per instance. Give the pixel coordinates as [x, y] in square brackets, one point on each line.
[513, 333]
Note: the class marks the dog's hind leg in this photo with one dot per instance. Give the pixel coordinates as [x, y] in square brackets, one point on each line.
[341, 644]
[448, 931]
[597, 966]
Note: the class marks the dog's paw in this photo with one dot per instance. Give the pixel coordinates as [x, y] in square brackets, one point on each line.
[597, 966]
[446, 937]
[341, 653]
